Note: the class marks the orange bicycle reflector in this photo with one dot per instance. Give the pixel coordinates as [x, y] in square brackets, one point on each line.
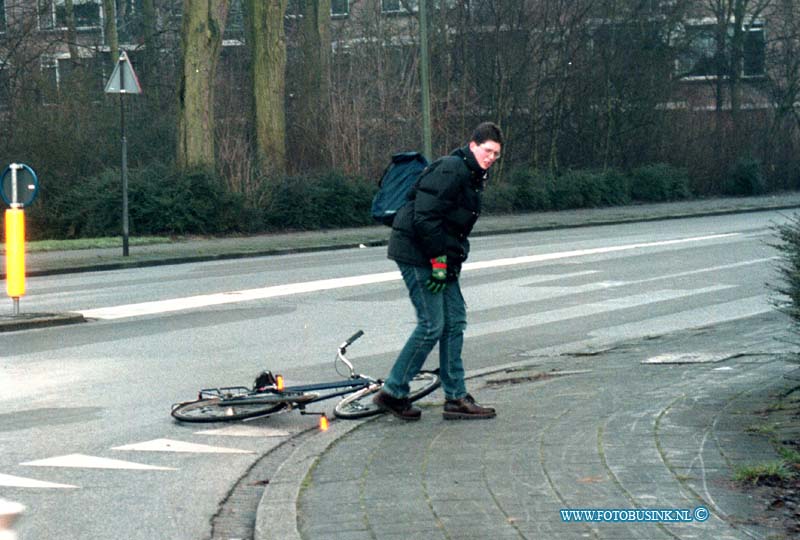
[324, 423]
[279, 383]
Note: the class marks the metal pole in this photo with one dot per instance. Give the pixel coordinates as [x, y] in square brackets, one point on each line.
[124, 161]
[14, 189]
[425, 79]
[14, 204]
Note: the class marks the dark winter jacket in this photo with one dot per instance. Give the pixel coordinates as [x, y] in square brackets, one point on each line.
[444, 207]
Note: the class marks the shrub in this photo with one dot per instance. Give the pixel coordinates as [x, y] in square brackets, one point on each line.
[530, 190]
[788, 288]
[499, 197]
[744, 178]
[659, 183]
[577, 189]
[615, 187]
[320, 201]
[160, 201]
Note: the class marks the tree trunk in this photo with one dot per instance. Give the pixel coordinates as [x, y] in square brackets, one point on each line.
[314, 94]
[110, 29]
[201, 39]
[149, 24]
[267, 41]
[72, 34]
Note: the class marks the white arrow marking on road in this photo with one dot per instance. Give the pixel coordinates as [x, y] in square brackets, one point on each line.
[7, 480]
[168, 445]
[81, 461]
[194, 302]
[244, 431]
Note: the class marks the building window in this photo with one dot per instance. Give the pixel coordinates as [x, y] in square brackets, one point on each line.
[234, 25]
[129, 21]
[755, 52]
[340, 8]
[398, 6]
[53, 14]
[700, 56]
[48, 87]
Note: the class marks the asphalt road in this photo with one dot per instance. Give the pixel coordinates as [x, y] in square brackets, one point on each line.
[86, 407]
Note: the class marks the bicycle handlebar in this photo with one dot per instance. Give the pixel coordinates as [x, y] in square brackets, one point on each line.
[351, 339]
[343, 349]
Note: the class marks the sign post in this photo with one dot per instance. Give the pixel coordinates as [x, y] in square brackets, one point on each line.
[123, 80]
[19, 187]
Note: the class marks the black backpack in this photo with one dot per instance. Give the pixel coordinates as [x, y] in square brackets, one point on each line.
[396, 182]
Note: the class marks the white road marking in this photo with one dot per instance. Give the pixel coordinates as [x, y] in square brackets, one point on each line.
[7, 480]
[496, 263]
[585, 310]
[687, 358]
[207, 300]
[169, 445]
[81, 461]
[244, 431]
[693, 318]
[194, 302]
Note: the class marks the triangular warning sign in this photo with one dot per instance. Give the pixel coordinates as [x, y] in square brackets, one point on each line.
[123, 80]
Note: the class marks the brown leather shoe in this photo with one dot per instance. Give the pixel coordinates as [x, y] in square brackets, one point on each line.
[466, 409]
[401, 408]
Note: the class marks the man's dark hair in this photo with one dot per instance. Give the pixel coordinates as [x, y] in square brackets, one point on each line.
[487, 131]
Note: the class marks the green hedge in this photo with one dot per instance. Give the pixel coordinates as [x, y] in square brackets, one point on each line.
[163, 200]
[530, 190]
[160, 201]
[320, 201]
[745, 178]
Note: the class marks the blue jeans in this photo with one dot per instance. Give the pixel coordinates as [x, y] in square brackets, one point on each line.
[442, 318]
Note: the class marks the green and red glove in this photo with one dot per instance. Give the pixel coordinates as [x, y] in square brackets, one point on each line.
[438, 280]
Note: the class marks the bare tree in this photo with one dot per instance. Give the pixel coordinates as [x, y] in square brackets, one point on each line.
[72, 34]
[110, 28]
[313, 93]
[201, 40]
[267, 41]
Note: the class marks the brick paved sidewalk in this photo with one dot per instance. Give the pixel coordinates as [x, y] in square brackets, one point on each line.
[573, 432]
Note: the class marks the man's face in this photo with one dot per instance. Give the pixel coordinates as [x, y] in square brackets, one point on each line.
[486, 153]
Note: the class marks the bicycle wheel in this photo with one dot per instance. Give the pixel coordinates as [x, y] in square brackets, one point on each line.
[359, 404]
[217, 410]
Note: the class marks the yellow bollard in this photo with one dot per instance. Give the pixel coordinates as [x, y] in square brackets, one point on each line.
[15, 252]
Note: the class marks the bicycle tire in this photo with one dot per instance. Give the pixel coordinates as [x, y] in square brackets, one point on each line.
[217, 410]
[359, 404]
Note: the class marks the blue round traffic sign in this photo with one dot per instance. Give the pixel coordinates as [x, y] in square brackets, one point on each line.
[19, 185]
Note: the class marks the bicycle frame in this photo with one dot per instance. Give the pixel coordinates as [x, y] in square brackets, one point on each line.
[269, 396]
[354, 383]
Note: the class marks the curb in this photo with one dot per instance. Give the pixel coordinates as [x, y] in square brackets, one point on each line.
[276, 515]
[26, 321]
